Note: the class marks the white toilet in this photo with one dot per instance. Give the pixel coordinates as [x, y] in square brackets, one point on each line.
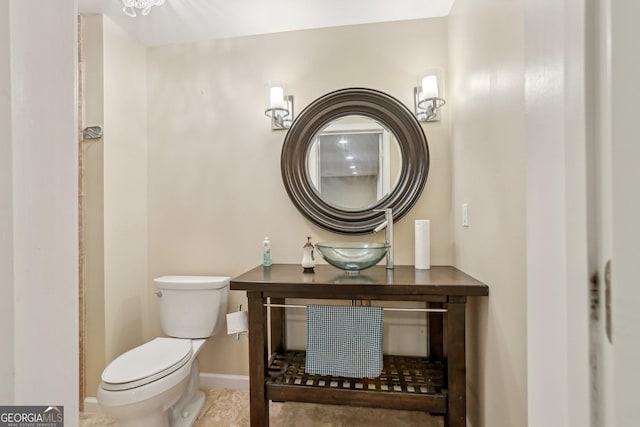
[157, 383]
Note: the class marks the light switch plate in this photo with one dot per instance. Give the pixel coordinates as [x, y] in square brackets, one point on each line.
[465, 215]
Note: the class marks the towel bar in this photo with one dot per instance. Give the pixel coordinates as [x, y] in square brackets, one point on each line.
[424, 310]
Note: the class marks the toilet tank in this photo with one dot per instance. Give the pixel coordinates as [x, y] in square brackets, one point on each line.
[192, 306]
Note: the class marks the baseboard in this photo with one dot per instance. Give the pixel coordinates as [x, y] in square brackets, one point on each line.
[235, 382]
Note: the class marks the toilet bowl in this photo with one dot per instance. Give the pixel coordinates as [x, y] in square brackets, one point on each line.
[157, 383]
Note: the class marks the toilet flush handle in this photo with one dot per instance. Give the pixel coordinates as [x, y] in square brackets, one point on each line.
[158, 294]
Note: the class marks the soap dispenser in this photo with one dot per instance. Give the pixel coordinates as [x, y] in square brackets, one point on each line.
[308, 260]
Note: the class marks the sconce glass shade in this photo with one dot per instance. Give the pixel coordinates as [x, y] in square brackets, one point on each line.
[429, 85]
[427, 100]
[278, 105]
[130, 6]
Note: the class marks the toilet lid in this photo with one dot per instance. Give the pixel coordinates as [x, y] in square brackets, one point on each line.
[146, 363]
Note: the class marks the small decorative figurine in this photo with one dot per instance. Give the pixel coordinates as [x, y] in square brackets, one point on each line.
[308, 261]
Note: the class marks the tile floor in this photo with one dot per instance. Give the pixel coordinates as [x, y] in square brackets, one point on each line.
[230, 408]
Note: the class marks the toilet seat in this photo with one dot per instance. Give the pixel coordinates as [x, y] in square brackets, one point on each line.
[146, 363]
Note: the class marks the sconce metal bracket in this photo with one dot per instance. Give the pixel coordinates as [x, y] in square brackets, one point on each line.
[432, 112]
[280, 122]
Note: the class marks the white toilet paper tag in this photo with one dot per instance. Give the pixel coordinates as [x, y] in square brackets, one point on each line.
[237, 322]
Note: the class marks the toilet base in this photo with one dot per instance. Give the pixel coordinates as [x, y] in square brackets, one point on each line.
[189, 412]
[187, 409]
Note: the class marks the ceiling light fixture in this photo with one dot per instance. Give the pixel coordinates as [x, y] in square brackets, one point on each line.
[130, 6]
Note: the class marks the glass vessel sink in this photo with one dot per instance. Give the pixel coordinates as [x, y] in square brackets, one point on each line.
[352, 256]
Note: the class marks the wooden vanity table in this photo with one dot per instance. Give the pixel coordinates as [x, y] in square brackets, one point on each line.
[434, 384]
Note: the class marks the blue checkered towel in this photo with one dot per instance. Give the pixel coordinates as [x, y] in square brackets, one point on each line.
[344, 341]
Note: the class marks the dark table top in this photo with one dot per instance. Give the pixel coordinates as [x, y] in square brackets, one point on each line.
[288, 280]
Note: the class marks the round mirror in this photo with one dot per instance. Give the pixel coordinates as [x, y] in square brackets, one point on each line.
[351, 153]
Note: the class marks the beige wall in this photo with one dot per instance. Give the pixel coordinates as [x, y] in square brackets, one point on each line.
[558, 206]
[116, 188]
[93, 202]
[215, 188]
[42, 287]
[486, 62]
[6, 213]
[125, 189]
[625, 65]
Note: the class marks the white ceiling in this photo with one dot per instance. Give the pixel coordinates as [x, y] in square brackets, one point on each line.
[190, 20]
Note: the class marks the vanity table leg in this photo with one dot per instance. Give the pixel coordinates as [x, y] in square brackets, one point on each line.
[277, 325]
[456, 371]
[259, 405]
[436, 349]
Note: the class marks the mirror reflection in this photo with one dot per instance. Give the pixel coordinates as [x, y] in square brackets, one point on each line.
[354, 162]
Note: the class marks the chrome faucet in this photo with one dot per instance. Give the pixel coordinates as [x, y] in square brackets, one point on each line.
[387, 224]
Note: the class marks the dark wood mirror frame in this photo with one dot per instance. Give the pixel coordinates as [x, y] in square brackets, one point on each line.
[391, 113]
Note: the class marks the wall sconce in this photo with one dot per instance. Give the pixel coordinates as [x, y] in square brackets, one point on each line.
[279, 106]
[427, 101]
